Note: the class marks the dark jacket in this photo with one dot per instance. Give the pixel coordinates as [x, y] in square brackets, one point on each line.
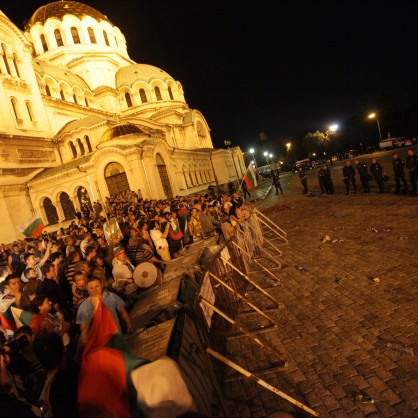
[411, 162]
[398, 164]
[376, 170]
[362, 169]
[349, 171]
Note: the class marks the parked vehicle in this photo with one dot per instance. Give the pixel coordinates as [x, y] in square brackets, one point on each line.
[390, 143]
[305, 164]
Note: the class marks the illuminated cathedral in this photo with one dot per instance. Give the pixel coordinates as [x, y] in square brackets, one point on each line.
[80, 120]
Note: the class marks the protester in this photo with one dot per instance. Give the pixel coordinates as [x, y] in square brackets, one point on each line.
[160, 239]
[112, 301]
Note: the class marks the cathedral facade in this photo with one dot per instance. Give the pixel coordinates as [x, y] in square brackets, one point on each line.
[80, 120]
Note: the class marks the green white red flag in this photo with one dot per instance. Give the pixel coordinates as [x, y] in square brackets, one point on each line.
[105, 387]
[6, 315]
[30, 319]
[33, 227]
[250, 177]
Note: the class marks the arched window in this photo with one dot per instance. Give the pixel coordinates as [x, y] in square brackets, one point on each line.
[86, 101]
[87, 139]
[143, 96]
[170, 93]
[106, 39]
[73, 149]
[15, 108]
[158, 93]
[128, 100]
[75, 99]
[62, 95]
[58, 37]
[30, 113]
[75, 35]
[15, 64]
[43, 42]
[67, 206]
[92, 36]
[47, 90]
[81, 146]
[6, 61]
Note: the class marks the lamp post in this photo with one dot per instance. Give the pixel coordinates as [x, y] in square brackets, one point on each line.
[373, 115]
[266, 154]
[227, 143]
[288, 146]
[252, 154]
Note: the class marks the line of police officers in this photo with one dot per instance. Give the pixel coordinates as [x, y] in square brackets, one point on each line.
[376, 172]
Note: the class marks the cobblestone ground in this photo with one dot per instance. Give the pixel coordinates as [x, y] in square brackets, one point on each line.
[341, 332]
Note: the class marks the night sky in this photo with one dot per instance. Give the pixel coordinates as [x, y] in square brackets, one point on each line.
[284, 68]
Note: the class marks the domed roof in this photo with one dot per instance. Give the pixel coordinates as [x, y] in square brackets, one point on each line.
[131, 73]
[58, 9]
[120, 129]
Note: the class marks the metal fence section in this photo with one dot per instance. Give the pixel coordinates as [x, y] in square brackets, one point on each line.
[211, 285]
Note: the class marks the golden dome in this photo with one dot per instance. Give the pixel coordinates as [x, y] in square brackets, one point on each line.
[58, 9]
[119, 130]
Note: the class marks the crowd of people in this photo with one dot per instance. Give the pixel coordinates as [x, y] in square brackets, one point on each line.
[57, 276]
[375, 172]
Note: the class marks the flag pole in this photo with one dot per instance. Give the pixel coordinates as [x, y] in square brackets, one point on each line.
[240, 181]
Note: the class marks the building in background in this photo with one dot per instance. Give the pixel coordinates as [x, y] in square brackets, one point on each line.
[80, 120]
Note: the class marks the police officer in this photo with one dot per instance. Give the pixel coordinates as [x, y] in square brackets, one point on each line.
[376, 169]
[349, 177]
[303, 180]
[321, 179]
[412, 167]
[398, 170]
[329, 185]
[363, 173]
[276, 182]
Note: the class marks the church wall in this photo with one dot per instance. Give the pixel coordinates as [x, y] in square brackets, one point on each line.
[15, 208]
[22, 110]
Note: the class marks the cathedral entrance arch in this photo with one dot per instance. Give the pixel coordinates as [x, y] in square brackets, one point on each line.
[67, 206]
[116, 179]
[50, 211]
[165, 181]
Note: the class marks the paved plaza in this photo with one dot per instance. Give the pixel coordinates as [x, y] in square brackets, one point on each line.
[348, 306]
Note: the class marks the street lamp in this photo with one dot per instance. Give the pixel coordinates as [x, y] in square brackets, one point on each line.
[373, 115]
[266, 154]
[252, 154]
[288, 146]
[333, 128]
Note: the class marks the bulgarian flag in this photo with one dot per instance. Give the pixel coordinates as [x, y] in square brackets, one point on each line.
[250, 177]
[22, 317]
[105, 387]
[32, 227]
[6, 316]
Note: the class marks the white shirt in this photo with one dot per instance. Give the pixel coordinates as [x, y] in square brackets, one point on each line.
[157, 237]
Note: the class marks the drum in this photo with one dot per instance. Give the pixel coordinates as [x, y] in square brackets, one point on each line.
[145, 275]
